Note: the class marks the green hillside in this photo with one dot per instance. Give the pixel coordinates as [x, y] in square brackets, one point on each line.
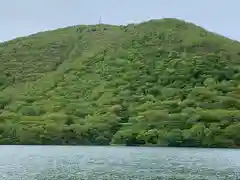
[162, 82]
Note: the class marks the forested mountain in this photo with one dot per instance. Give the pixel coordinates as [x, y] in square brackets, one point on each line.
[162, 82]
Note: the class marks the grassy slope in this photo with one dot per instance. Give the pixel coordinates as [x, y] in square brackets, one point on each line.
[164, 82]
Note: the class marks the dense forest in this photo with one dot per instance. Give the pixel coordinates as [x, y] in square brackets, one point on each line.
[157, 83]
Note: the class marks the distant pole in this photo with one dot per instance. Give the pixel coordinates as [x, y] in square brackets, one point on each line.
[100, 20]
[100, 23]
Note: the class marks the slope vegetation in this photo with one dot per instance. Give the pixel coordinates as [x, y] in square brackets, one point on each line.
[162, 82]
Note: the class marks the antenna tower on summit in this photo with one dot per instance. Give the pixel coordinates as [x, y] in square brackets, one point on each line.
[100, 20]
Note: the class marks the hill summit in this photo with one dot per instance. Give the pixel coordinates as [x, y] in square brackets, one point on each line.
[162, 82]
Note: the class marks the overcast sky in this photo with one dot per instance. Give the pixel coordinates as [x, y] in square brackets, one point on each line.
[24, 17]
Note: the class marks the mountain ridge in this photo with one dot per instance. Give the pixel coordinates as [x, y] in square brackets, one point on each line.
[126, 24]
[162, 82]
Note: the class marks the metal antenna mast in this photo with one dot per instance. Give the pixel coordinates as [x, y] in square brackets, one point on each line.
[100, 20]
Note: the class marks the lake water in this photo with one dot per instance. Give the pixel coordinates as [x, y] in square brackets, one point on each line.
[120, 163]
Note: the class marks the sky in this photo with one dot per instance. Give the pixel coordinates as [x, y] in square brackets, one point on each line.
[24, 17]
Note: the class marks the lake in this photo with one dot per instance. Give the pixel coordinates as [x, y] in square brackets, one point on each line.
[120, 163]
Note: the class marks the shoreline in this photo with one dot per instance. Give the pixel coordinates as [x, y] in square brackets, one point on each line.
[129, 146]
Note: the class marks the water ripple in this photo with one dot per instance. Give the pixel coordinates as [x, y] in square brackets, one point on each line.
[90, 163]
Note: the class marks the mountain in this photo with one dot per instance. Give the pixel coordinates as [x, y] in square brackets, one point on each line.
[162, 82]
